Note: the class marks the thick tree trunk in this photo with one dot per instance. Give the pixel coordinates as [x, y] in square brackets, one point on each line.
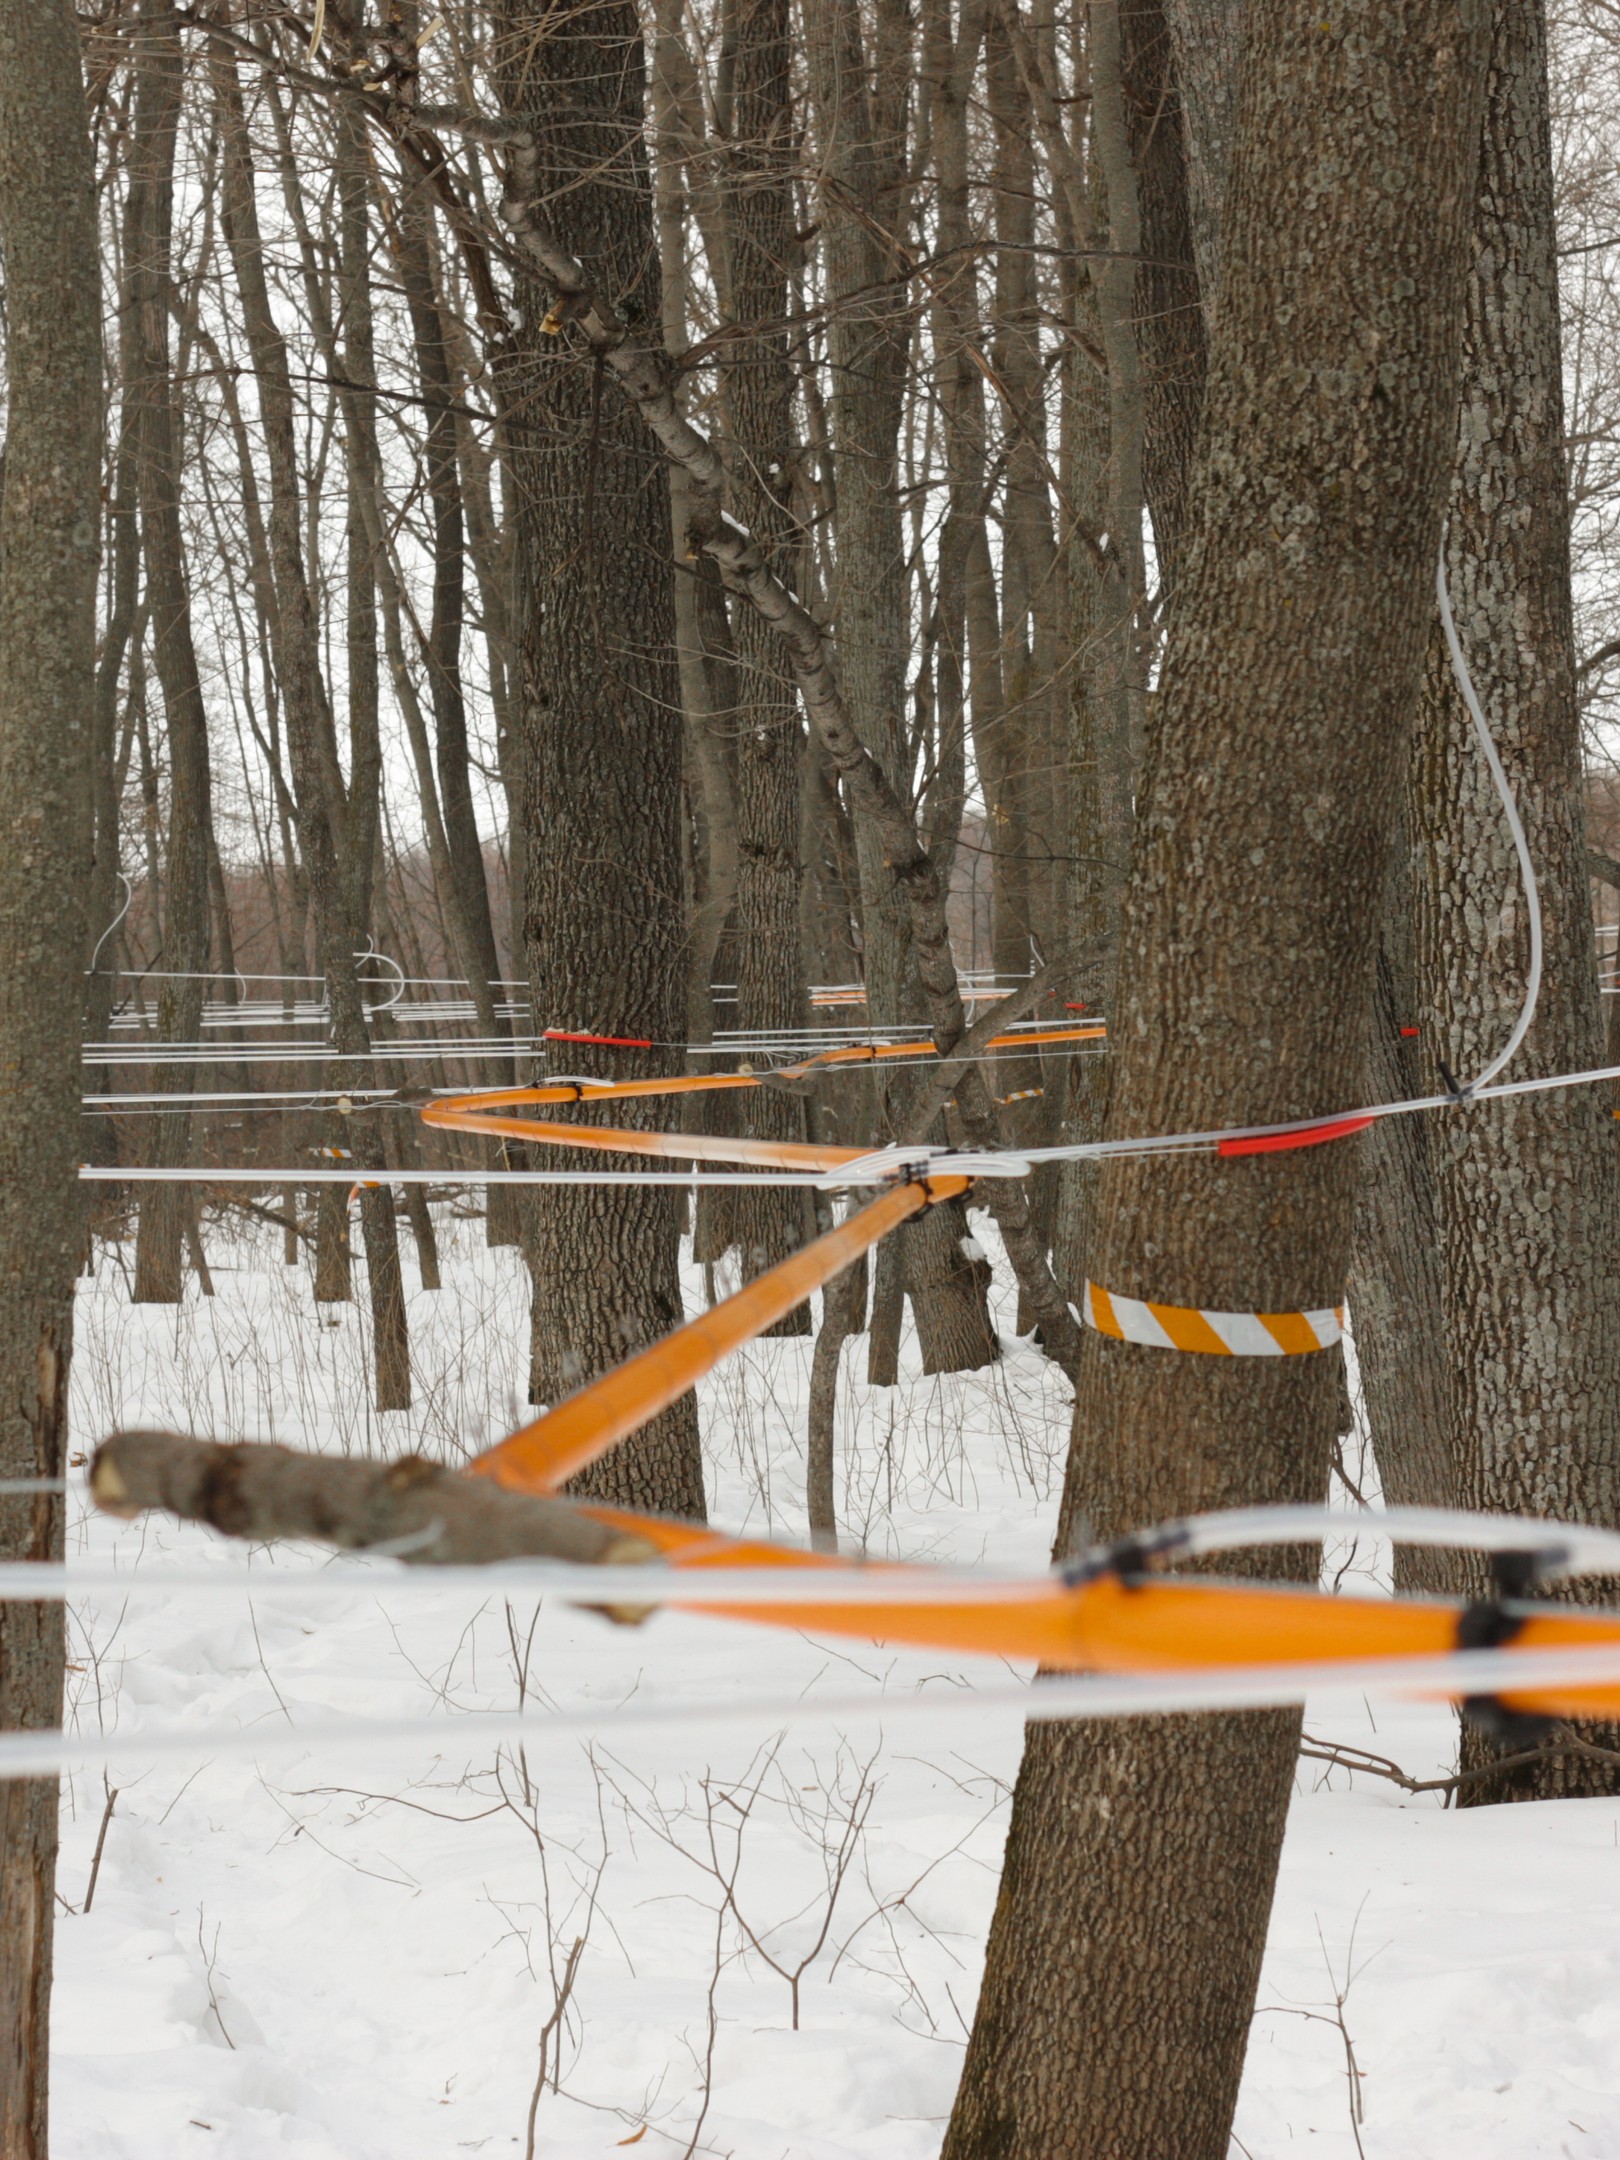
[1529, 1189]
[1126, 1943]
[50, 519]
[601, 723]
[771, 989]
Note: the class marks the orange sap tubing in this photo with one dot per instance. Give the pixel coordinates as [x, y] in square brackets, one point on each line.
[1105, 1625]
[567, 1091]
[1113, 1626]
[540, 1456]
[1108, 1625]
[858, 1052]
[688, 1147]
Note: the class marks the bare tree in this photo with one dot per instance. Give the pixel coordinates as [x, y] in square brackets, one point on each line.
[50, 520]
[1140, 1861]
[1528, 1190]
[183, 955]
[600, 714]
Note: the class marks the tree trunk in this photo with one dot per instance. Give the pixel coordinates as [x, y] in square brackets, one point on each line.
[1528, 1189]
[601, 724]
[1098, 796]
[159, 79]
[50, 517]
[464, 848]
[1169, 315]
[125, 623]
[1396, 1288]
[1208, 55]
[860, 118]
[337, 822]
[841, 1316]
[1126, 1945]
[771, 991]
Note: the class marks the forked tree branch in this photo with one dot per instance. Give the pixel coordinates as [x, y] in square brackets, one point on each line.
[647, 378]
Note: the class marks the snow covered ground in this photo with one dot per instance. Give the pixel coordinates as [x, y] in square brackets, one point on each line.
[353, 1952]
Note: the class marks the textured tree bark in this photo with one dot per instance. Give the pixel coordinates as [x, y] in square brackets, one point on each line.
[1207, 36]
[1529, 1189]
[332, 1281]
[1395, 1280]
[771, 989]
[1396, 1287]
[1127, 1938]
[1169, 315]
[1098, 796]
[842, 1311]
[50, 519]
[159, 77]
[600, 715]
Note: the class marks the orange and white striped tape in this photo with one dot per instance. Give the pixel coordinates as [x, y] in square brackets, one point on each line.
[1220, 1334]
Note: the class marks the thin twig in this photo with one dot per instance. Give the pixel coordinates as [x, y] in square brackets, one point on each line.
[101, 1839]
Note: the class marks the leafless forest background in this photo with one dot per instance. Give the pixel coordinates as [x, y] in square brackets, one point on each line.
[680, 525]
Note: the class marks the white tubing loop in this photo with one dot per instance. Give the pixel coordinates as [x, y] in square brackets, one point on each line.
[129, 895]
[383, 960]
[1561, 1549]
[1521, 846]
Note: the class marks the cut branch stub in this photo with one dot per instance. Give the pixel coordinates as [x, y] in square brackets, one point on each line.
[422, 1514]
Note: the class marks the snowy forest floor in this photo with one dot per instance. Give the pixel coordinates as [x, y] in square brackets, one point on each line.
[345, 1955]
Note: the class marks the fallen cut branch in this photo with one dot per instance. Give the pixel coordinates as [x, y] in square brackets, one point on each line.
[412, 1509]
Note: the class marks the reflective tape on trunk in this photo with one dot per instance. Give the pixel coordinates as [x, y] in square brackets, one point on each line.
[1217, 1334]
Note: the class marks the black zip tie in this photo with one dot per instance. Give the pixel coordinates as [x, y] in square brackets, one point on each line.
[1487, 1624]
[1461, 1096]
[1129, 1559]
